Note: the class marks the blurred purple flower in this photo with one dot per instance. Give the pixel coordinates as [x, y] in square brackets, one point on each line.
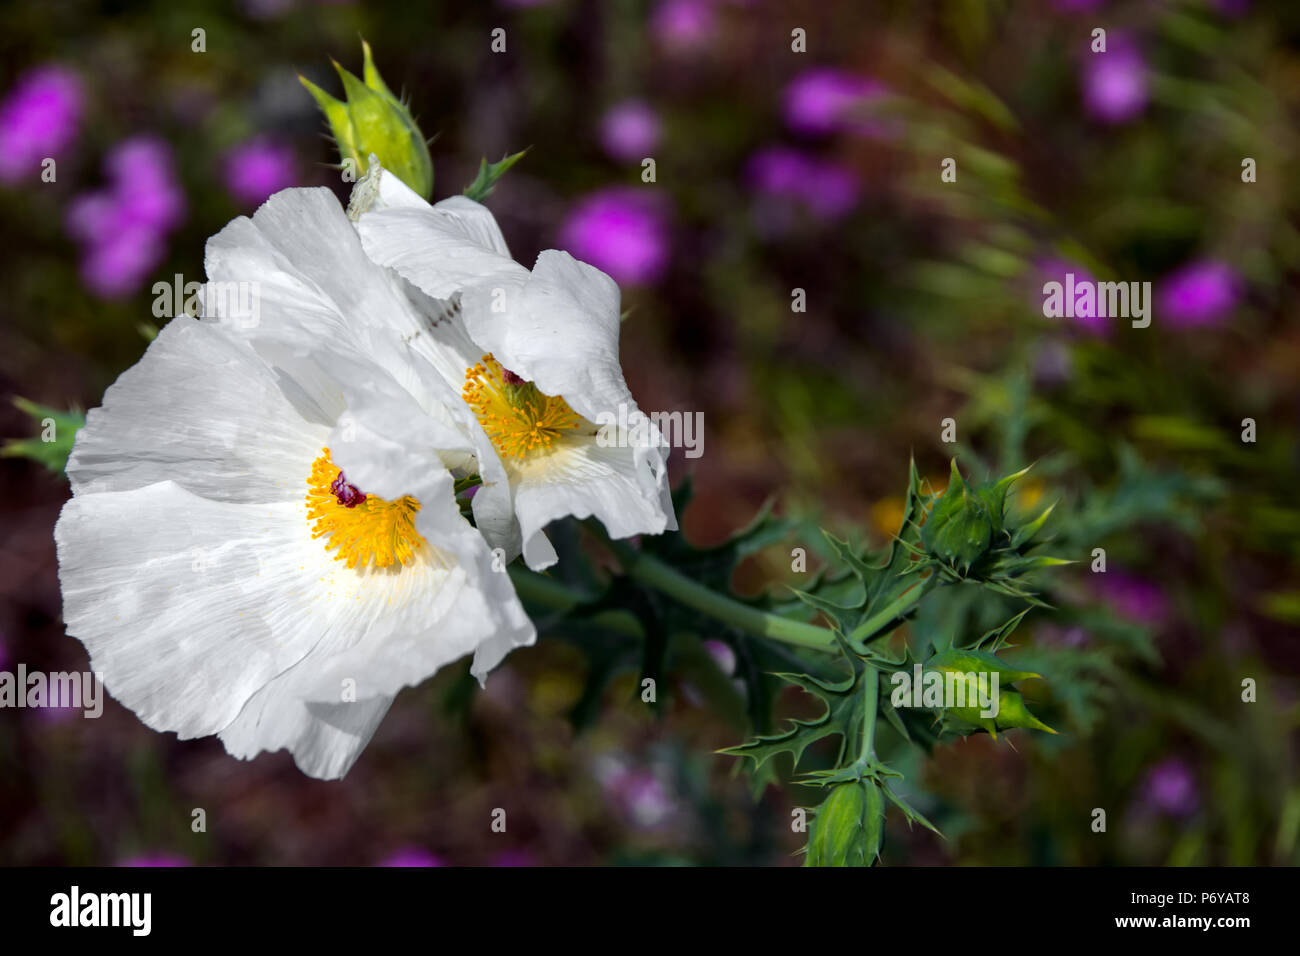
[1077, 6]
[412, 856]
[124, 227]
[256, 169]
[1050, 635]
[38, 119]
[1170, 788]
[643, 798]
[1232, 8]
[155, 859]
[620, 231]
[514, 858]
[638, 793]
[1085, 317]
[1052, 365]
[826, 188]
[823, 100]
[629, 130]
[1200, 293]
[722, 655]
[115, 268]
[1132, 597]
[684, 24]
[144, 184]
[266, 9]
[59, 711]
[1115, 82]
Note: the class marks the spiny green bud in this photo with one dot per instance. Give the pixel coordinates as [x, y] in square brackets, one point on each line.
[849, 826]
[1012, 712]
[960, 526]
[971, 672]
[969, 521]
[373, 120]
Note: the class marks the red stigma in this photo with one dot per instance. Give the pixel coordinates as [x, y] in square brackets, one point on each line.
[349, 496]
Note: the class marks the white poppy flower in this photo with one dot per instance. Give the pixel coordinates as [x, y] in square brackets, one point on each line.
[224, 574]
[536, 357]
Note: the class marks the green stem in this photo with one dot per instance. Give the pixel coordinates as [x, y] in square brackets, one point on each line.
[886, 615]
[871, 703]
[650, 570]
[549, 593]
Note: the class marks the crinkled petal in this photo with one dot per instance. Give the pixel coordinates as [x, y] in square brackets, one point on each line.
[440, 248]
[198, 409]
[583, 479]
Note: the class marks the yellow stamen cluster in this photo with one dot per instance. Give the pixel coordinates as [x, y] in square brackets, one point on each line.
[518, 418]
[374, 532]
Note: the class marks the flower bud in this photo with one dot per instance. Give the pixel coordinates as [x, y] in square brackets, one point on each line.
[960, 526]
[849, 826]
[973, 669]
[374, 121]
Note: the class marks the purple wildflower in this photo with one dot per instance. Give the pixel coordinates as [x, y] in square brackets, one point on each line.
[124, 227]
[38, 119]
[1200, 293]
[412, 856]
[1086, 317]
[825, 188]
[824, 100]
[258, 168]
[1115, 82]
[1133, 597]
[684, 24]
[1170, 788]
[620, 231]
[629, 131]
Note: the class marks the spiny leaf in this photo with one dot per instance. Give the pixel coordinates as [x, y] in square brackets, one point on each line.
[53, 445]
[844, 702]
[489, 173]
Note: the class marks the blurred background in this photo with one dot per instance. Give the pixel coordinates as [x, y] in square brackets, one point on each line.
[776, 171]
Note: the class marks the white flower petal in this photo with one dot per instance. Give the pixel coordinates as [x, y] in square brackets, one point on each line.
[307, 272]
[558, 328]
[584, 480]
[187, 606]
[200, 410]
[325, 739]
[440, 248]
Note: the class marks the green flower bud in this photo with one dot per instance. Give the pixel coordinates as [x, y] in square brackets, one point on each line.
[849, 826]
[960, 526]
[374, 121]
[1012, 711]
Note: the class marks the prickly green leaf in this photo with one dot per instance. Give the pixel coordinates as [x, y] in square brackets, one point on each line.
[488, 174]
[843, 717]
[55, 433]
